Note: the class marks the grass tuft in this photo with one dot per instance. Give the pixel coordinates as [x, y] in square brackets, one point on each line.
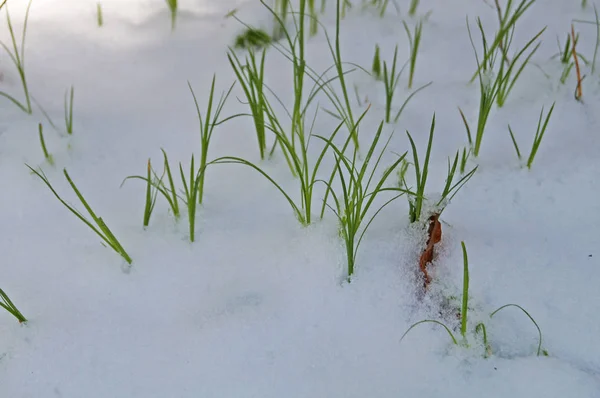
[207, 126]
[416, 200]
[537, 139]
[8, 305]
[390, 79]
[168, 192]
[353, 203]
[480, 327]
[540, 351]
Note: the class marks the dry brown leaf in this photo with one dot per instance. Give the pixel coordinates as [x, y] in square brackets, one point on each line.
[434, 235]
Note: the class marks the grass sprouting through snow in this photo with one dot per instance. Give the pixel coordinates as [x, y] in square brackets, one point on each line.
[47, 155]
[151, 195]
[251, 77]
[18, 58]
[504, 33]
[510, 69]
[537, 139]
[299, 162]
[191, 189]
[390, 79]
[407, 100]
[8, 305]
[414, 41]
[488, 88]
[376, 68]
[168, 192]
[540, 351]
[480, 327]
[97, 224]
[416, 200]
[207, 126]
[354, 201]
[454, 341]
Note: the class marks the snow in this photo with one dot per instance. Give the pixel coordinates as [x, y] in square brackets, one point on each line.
[258, 306]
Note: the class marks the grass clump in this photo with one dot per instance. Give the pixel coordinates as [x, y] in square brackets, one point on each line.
[303, 169]
[17, 56]
[416, 200]
[480, 328]
[353, 201]
[492, 85]
[193, 181]
[155, 185]
[96, 224]
[537, 139]
[8, 305]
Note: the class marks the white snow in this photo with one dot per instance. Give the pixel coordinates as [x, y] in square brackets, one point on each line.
[258, 305]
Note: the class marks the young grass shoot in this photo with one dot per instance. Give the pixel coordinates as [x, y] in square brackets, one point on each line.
[8, 305]
[480, 327]
[417, 199]
[207, 126]
[251, 77]
[353, 202]
[17, 56]
[414, 41]
[157, 183]
[537, 139]
[47, 155]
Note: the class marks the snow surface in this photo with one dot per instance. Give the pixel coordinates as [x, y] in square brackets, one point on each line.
[257, 306]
